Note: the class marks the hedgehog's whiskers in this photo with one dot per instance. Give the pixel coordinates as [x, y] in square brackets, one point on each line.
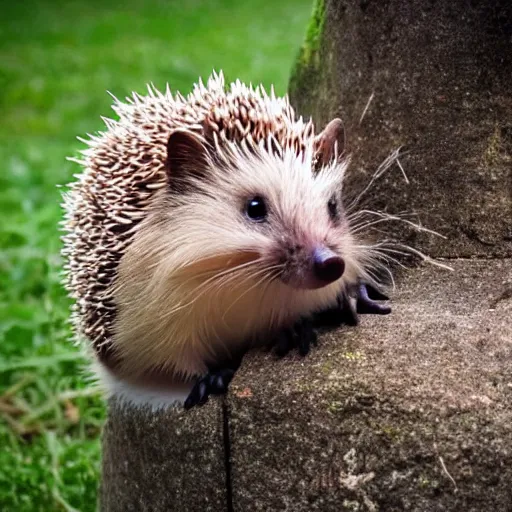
[375, 253]
[381, 169]
[204, 287]
[386, 217]
[248, 271]
[269, 274]
[366, 219]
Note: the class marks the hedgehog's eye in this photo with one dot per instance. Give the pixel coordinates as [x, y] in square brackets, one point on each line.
[332, 206]
[256, 209]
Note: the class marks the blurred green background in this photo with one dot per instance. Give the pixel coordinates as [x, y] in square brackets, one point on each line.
[57, 59]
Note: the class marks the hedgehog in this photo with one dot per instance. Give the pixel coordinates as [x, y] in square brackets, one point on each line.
[201, 227]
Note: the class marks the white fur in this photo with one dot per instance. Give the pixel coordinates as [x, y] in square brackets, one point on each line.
[139, 395]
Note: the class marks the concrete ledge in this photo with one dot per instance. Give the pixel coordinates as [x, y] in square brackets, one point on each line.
[408, 412]
[163, 461]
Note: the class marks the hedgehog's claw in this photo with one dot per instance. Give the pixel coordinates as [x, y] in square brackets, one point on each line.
[366, 297]
[374, 293]
[215, 382]
[300, 336]
[345, 312]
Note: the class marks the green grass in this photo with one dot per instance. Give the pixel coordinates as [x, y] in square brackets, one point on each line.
[57, 59]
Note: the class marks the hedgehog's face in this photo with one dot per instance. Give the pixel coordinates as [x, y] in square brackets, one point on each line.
[271, 214]
[305, 255]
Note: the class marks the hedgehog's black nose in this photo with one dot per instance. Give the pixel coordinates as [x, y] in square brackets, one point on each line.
[328, 266]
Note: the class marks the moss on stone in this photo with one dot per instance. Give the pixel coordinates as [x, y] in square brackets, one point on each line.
[354, 356]
[308, 60]
[309, 50]
[494, 148]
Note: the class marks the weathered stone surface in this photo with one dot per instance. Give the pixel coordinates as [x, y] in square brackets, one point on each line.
[408, 412]
[163, 461]
[439, 74]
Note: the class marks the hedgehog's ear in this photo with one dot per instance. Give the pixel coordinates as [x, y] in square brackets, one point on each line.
[331, 139]
[186, 158]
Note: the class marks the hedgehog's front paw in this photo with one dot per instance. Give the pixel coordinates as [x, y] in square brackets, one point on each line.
[346, 309]
[366, 303]
[301, 336]
[213, 383]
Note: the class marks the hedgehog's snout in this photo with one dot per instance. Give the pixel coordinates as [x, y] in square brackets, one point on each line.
[327, 265]
[311, 268]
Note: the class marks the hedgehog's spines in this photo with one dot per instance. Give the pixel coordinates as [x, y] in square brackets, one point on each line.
[76, 160]
[88, 142]
[115, 98]
[111, 124]
[168, 92]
